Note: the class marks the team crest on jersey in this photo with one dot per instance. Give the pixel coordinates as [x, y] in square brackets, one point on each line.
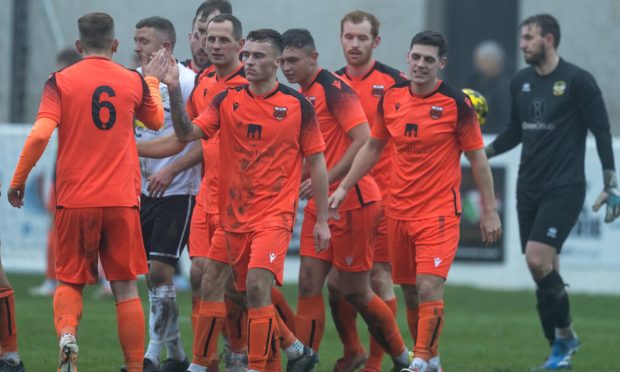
[377, 90]
[312, 99]
[235, 106]
[279, 112]
[436, 112]
[559, 87]
[526, 87]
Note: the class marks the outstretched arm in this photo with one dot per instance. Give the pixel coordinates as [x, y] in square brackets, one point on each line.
[159, 181]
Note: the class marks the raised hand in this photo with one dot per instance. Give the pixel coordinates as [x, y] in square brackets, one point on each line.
[157, 66]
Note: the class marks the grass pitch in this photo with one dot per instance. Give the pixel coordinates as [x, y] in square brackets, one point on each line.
[485, 331]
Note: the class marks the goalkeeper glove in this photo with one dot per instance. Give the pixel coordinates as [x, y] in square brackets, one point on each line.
[609, 196]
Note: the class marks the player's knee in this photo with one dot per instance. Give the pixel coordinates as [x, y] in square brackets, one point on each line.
[307, 287]
[539, 267]
[195, 276]
[160, 274]
[258, 293]
[357, 299]
[429, 290]
[333, 286]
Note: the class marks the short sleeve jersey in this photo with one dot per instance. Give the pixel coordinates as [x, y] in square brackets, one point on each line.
[338, 110]
[94, 102]
[204, 92]
[262, 144]
[429, 135]
[553, 114]
[370, 89]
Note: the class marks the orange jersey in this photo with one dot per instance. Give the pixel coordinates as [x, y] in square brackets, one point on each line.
[370, 89]
[429, 135]
[262, 144]
[207, 87]
[338, 110]
[94, 103]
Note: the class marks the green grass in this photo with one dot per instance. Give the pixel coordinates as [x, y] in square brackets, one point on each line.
[484, 331]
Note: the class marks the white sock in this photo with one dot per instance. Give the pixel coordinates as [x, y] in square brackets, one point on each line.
[196, 368]
[162, 301]
[172, 335]
[12, 357]
[295, 350]
[402, 358]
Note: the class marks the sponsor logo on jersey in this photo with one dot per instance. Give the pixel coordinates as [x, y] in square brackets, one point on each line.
[397, 106]
[436, 112]
[272, 257]
[255, 131]
[377, 90]
[312, 99]
[279, 112]
[235, 106]
[349, 260]
[552, 233]
[526, 87]
[559, 87]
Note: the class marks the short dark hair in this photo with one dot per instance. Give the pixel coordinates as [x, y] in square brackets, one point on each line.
[236, 23]
[359, 16]
[211, 6]
[432, 38]
[96, 30]
[298, 38]
[548, 25]
[68, 56]
[267, 35]
[160, 24]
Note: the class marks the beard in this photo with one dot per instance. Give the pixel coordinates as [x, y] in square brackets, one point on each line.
[537, 57]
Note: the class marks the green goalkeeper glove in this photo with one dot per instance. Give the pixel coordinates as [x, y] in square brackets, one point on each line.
[609, 196]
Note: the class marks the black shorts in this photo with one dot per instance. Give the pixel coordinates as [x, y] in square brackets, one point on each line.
[547, 216]
[165, 226]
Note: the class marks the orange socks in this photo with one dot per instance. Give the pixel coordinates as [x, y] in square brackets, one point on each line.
[283, 309]
[261, 327]
[8, 330]
[67, 309]
[285, 337]
[382, 326]
[208, 326]
[376, 351]
[236, 325]
[412, 321]
[430, 324]
[310, 321]
[130, 323]
[344, 315]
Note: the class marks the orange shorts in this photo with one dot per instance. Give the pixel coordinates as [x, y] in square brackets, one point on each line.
[206, 237]
[260, 249]
[425, 246]
[110, 234]
[353, 238]
[382, 248]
